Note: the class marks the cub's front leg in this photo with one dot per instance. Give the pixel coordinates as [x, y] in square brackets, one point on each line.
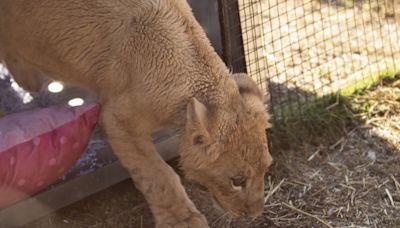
[157, 181]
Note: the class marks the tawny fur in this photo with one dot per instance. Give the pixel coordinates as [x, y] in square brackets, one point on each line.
[152, 67]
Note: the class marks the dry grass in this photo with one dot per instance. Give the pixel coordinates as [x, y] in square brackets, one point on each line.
[379, 108]
[353, 181]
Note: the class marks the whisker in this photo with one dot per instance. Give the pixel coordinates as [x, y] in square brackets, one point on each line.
[253, 219]
[216, 222]
[224, 221]
[230, 218]
[217, 219]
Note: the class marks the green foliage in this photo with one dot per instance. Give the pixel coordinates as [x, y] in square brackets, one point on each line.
[369, 81]
[346, 3]
[313, 123]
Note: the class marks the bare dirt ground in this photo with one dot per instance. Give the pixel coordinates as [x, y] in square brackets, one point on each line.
[318, 47]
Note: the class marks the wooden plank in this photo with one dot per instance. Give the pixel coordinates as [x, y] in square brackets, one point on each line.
[74, 190]
[232, 43]
[206, 13]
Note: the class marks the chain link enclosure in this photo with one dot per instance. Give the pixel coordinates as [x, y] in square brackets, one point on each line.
[301, 50]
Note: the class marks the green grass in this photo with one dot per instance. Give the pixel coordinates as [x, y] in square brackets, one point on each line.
[323, 119]
[369, 81]
[313, 123]
[346, 3]
[324, 73]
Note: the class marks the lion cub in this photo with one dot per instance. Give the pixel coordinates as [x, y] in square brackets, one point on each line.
[152, 67]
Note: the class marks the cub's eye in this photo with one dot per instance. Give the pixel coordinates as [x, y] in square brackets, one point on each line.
[238, 182]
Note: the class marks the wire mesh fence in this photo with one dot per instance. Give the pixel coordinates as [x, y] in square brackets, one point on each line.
[299, 50]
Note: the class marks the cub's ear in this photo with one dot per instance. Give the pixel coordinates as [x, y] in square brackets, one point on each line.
[247, 86]
[252, 96]
[196, 123]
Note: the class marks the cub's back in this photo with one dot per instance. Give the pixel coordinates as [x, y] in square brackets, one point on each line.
[70, 37]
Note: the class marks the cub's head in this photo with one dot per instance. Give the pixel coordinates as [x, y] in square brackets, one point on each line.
[225, 148]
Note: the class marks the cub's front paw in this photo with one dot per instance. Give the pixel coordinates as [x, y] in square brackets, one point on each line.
[195, 220]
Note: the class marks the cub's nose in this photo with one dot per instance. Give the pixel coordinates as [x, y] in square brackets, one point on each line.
[255, 209]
